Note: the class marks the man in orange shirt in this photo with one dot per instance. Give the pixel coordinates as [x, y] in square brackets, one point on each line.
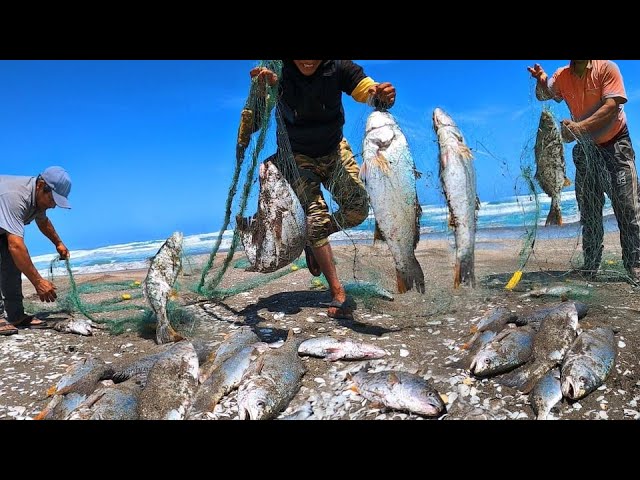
[603, 155]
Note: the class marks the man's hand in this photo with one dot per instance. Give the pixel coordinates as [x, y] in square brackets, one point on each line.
[385, 93]
[569, 131]
[264, 76]
[46, 290]
[538, 73]
[63, 251]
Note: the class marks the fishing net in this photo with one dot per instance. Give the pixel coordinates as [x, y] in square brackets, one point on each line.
[514, 248]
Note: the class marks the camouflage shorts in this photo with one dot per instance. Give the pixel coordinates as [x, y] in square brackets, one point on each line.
[338, 173]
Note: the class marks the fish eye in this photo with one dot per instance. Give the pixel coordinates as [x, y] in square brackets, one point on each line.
[582, 379]
[260, 404]
[487, 361]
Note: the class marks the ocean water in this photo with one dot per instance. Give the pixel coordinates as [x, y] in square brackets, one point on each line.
[508, 218]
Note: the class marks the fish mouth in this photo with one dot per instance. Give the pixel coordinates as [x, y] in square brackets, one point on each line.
[572, 389]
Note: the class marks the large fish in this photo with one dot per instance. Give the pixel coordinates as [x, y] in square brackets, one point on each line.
[458, 179]
[170, 385]
[509, 349]
[588, 362]
[332, 349]
[546, 394]
[400, 391]
[551, 343]
[550, 164]
[271, 382]
[389, 176]
[275, 236]
[163, 272]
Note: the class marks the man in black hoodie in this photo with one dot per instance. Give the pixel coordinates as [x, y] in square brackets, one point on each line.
[310, 105]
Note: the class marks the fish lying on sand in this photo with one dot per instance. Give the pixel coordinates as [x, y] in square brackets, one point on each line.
[79, 326]
[509, 349]
[163, 272]
[588, 362]
[550, 164]
[551, 343]
[535, 317]
[400, 391]
[230, 346]
[115, 402]
[389, 175]
[276, 235]
[546, 394]
[332, 349]
[271, 382]
[170, 385]
[225, 377]
[77, 383]
[458, 179]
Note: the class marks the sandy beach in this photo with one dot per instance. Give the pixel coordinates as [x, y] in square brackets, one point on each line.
[420, 332]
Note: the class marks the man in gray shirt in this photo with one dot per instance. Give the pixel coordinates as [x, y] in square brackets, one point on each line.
[22, 200]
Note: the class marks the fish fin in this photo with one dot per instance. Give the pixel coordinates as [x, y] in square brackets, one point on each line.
[258, 365]
[364, 170]
[555, 215]
[165, 334]
[463, 273]
[413, 278]
[377, 234]
[354, 388]
[382, 163]
[473, 329]
[465, 152]
[567, 182]
[416, 173]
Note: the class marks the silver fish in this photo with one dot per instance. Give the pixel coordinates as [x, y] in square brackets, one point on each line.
[271, 382]
[276, 235]
[170, 385]
[550, 164]
[551, 343]
[117, 402]
[389, 175]
[564, 291]
[546, 394]
[508, 350]
[400, 391]
[534, 317]
[224, 379]
[230, 346]
[458, 179]
[79, 381]
[588, 362]
[79, 326]
[163, 272]
[332, 349]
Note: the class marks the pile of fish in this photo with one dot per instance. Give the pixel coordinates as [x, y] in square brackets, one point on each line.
[458, 179]
[545, 354]
[185, 379]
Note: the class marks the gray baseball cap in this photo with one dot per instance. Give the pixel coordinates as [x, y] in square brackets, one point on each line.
[58, 179]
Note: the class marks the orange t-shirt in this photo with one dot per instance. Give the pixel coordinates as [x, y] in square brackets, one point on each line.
[584, 96]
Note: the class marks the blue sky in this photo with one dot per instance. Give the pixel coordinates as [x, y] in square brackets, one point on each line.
[150, 145]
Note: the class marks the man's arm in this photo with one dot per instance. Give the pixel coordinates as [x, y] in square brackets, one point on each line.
[543, 92]
[47, 229]
[595, 122]
[18, 250]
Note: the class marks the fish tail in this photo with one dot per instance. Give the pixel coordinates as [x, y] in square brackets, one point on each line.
[464, 272]
[412, 278]
[165, 333]
[555, 215]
